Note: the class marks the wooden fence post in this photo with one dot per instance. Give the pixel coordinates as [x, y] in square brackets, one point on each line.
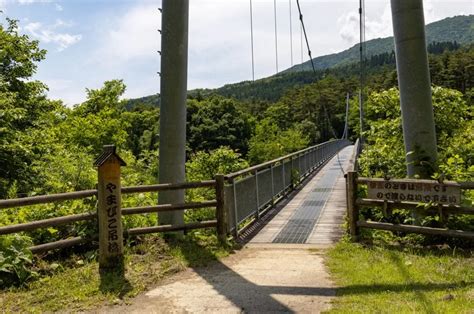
[109, 210]
[352, 209]
[221, 213]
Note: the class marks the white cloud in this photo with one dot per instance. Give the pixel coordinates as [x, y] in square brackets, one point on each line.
[58, 7]
[376, 26]
[33, 1]
[133, 35]
[49, 34]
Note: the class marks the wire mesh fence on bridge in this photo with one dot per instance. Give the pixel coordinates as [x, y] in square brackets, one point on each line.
[249, 193]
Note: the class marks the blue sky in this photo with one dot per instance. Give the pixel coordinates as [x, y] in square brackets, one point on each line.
[90, 41]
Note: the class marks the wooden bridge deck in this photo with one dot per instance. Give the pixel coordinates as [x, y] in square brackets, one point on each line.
[314, 215]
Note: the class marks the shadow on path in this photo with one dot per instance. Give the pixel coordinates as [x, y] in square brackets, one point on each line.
[243, 293]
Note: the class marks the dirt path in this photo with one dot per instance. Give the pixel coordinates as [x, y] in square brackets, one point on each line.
[272, 279]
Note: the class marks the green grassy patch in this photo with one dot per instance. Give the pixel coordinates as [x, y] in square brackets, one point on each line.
[79, 286]
[384, 279]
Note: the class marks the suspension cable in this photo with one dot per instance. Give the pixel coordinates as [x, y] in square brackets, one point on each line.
[346, 124]
[362, 62]
[305, 36]
[301, 44]
[276, 36]
[291, 35]
[251, 41]
[314, 69]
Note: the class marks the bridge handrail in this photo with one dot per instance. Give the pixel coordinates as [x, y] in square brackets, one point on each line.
[277, 160]
[272, 181]
[355, 155]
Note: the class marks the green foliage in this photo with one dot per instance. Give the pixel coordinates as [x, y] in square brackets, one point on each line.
[270, 142]
[385, 153]
[217, 122]
[204, 166]
[17, 57]
[15, 260]
[23, 107]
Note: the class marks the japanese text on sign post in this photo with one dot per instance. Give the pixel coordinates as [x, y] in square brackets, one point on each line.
[419, 191]
[113, 246]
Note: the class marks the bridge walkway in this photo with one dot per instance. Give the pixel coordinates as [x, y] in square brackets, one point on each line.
[279, 270]
[313, 214]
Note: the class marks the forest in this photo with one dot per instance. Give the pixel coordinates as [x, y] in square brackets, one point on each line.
[47, 147]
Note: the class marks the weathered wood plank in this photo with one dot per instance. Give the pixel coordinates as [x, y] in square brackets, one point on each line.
[415, 229]
[166, 228]
[58, 244]
[167, 207]
[47, 223]
[415, 206]
[221, 213]
[43, 199]
[168, 187]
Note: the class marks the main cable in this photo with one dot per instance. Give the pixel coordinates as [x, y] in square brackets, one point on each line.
[301, 48]
[305, 36]
[314, 69]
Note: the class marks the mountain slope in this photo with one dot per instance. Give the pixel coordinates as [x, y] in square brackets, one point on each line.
[458, 28]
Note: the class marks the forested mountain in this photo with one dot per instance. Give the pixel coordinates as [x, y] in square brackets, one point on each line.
[458, 29]
[446, 34]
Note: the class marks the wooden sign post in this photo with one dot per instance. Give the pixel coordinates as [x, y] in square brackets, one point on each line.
[109, 209]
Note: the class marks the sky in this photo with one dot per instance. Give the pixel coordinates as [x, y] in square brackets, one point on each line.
[92, 41]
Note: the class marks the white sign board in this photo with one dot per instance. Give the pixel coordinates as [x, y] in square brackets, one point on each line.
[418, 191]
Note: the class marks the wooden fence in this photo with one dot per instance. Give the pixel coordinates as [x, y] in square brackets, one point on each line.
[108, 215]
[64, 220]
[354, 203]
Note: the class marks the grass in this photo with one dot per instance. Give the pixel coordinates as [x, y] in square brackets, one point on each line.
[396, 279]
[81, 287]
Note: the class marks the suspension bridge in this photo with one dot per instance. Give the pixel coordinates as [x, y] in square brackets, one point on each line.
[282, 211]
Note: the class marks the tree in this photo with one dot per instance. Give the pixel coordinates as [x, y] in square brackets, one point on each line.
[217, 122]
[270, 142]
[23, 107]
[97, 121]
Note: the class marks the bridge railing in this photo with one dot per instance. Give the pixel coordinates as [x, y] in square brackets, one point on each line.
[252, 191]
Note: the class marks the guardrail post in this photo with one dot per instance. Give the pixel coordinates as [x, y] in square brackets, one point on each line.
[221, 213]
[109, 210]
[352, 209]
[256, 195]
[236, 221]
[273, 186]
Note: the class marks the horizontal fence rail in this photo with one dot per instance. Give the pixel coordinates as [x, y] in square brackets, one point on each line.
[64, 220]
[428, 208]
[250, 192]
[44, 199]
